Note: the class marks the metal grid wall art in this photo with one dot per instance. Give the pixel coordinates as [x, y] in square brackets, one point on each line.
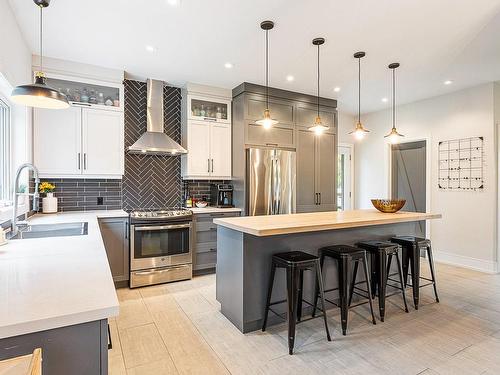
[461, 164]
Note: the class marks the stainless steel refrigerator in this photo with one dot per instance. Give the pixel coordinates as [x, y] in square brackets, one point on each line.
[271, 181]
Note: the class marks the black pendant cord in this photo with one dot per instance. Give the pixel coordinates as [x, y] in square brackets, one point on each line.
[318, 80]
[267, 69]
[41, 39]
[393, 98]
[359, 91]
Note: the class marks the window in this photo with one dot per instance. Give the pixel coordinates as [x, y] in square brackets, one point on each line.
[5, 153]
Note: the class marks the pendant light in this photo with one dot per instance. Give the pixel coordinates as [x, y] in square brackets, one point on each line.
[267, 122]
[359, 131]
[394, 136]
[39, 94]
[318, 126]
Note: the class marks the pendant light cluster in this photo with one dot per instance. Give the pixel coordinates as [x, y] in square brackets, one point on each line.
[318, 126]
[38, 94]
[267, 122]
[394, 136]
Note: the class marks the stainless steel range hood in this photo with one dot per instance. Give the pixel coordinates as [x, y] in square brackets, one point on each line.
[155, 141]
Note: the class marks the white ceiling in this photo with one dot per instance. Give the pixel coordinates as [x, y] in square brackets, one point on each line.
[434, 40]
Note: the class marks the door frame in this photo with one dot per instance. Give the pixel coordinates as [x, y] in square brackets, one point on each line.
[350, 146]
[428, 165]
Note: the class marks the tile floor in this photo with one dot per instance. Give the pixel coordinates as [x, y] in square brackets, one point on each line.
[177, 329]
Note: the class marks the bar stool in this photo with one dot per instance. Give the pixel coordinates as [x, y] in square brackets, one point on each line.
[381, 256]
[411, 258]
[295, 263]
[345, 255]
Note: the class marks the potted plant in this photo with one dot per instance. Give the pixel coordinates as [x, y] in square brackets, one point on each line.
[49, 203]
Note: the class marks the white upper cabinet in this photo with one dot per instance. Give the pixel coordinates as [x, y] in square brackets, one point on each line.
[84, 140]
[57, 141]
[102, 142]
[206, 133]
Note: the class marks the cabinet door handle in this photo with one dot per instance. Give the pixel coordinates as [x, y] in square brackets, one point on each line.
[84, 160]
[126, 230]
[319, 198]
[79, 161]
[212, 165]
[208, 170]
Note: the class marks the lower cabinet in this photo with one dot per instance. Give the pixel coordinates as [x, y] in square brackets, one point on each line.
[115, 234]
[205, 241]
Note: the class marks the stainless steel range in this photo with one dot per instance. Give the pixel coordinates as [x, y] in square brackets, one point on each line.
[160, 246]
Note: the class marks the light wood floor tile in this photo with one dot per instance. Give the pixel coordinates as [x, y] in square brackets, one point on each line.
[162, 367]
[133, 313]
[142, 345]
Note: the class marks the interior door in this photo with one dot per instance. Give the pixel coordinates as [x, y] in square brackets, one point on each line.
[327, 155]
[344, 176]
[408, 177]
[306, 165]
[57, 141]
[198, 156]
[102, 142]
[220, 151]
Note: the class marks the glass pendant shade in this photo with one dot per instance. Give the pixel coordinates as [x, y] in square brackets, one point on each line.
[39, 95]
[394, 137]
[318, 128]
[359, 132]
[267, 122]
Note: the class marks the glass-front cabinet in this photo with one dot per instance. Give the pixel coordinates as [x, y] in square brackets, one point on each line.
[202, 108]
[88, 94]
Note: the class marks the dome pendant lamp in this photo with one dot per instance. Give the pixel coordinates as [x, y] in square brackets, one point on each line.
[318, 126]
[394, 136]
[267, 122]
[38, 94]
[359, 131]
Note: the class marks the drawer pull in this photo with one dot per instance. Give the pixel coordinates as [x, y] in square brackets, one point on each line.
[213, 250]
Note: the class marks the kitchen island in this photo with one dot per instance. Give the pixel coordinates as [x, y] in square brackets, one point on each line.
[245, 246]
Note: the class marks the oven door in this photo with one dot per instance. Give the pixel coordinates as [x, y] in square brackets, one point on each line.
[160, 245]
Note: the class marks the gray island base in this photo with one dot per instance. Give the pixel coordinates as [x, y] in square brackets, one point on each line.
[244, 259]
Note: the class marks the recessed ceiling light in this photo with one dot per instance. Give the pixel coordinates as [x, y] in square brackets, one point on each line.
[150, 49]
[336, 89]
[174, 3]
[385, 100]
[228, 65]
[448, 82]
[290, 78]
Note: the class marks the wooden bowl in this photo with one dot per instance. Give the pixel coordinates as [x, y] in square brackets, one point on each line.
[388, 205]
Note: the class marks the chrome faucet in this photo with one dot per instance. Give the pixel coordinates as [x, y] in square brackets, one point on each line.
[35, 195]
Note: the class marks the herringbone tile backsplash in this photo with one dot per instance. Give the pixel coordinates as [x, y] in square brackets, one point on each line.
[151, 181]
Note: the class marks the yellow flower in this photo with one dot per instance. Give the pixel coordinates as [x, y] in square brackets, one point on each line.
[46, 187]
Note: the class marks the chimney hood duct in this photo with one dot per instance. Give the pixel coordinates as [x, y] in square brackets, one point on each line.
[155, 141]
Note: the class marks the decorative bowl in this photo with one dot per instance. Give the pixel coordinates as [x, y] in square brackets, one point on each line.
[201, 204]
[388, 205]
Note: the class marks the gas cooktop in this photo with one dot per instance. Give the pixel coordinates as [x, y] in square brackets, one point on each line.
[161, 214]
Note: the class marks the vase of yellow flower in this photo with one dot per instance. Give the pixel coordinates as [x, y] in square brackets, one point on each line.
[49, 202]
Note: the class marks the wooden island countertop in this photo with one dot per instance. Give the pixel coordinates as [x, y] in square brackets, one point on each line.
[318, 221]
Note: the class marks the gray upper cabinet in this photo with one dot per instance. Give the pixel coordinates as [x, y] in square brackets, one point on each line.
[316, 171]
[281, 110]
[306, 114]
[277, 136]
[115, 234]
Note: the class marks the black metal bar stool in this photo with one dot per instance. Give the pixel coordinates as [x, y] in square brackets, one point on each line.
[295, 263]
[381, 257]
[345, 255]
[411, 258]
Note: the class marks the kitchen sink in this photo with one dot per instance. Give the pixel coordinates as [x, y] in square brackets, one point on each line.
[52, 230]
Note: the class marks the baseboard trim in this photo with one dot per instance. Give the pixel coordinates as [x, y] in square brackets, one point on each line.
[466, 262]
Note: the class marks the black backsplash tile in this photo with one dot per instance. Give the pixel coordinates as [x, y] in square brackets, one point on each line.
[200, 189]
[81, 194]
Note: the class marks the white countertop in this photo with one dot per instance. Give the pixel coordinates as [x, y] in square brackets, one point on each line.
[47, 283]
[212, 210]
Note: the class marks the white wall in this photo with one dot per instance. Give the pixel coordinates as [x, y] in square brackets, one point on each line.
[466, 235]
[15, 69]
[346, 123]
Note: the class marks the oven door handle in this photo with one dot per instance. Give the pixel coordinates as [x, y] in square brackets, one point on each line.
[162, 227]
[145, 273]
